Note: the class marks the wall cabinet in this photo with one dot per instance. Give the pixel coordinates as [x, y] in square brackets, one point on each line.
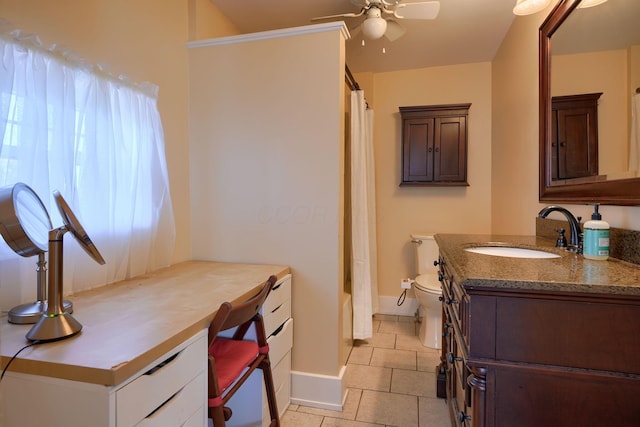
[574, 142]
[531, 358]
[434, 145]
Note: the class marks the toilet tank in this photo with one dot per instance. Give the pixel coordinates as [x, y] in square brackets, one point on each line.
[426, 251]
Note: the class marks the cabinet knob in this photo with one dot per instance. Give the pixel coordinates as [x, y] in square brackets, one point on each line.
[435, 263]
[451, 358]
[440, 277]
[450, 301]
[463, 417]
[440, 298]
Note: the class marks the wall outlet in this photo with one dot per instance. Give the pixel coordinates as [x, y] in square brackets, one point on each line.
[406, 283]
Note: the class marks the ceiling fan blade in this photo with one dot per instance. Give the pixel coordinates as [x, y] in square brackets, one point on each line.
[394, 30]
[342, 15]
[422, 10]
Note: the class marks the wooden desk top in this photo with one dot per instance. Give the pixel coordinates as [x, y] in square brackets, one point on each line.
[129, 324]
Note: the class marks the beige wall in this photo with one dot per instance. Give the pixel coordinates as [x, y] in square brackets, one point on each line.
[405, 210]
[267, 145]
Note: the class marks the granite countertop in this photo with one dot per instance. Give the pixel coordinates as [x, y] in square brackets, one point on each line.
[568, 273]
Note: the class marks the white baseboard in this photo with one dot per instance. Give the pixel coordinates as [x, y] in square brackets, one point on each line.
[318, 391]
[389, 305]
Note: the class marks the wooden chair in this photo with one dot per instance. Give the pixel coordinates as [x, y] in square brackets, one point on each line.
[232, 360]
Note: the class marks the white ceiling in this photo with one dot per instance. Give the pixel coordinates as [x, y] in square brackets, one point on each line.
[465, 31]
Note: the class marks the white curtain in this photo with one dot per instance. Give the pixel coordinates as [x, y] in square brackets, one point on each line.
[98, 139]
[364, 277]
[634, 145]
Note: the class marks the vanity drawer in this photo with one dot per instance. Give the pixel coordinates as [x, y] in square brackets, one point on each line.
[275, 318]
[146, 393]
[280, 342]
[280, 292]
[282, 386]
[185, 405]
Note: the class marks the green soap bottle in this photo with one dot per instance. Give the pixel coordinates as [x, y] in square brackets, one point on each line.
[596, 237]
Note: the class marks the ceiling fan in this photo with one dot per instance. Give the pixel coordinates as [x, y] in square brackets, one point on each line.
[376, 25]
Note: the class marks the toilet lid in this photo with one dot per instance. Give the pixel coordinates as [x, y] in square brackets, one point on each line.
[428, 283]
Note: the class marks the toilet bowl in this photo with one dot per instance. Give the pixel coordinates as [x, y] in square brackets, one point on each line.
[427, 290]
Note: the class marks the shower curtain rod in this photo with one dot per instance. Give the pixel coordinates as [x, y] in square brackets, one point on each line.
[351, 82]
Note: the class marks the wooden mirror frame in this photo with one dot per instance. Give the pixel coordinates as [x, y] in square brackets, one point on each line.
[616, 192]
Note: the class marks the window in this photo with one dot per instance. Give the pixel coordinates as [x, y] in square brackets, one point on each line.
[98, 140]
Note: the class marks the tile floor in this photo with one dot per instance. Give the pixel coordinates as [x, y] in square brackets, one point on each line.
[391, 382]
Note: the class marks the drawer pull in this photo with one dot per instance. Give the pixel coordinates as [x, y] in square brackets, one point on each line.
[277, 308]
[161, 364]
[164, 403]
[276, 286]
[451, 358]
[450, 301]
[277, 331]
[463, 417]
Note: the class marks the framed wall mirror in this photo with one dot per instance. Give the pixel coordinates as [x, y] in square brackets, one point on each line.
[590, 52]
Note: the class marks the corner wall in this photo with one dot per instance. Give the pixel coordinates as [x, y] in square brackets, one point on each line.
[267, 178]
[402, 211]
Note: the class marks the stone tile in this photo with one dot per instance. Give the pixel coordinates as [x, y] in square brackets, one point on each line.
[433, 412]
[413, 383]
[336, 422]
[408, 342]
[390, 358]
[428, 360]
[368, 377]
[360, 355]
[390, 409]
[397, 327]
[382, 340]
[300, 419]
[349, 409]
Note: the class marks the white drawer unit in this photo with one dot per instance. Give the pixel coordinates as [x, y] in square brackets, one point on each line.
[276, 312]
[172, 391]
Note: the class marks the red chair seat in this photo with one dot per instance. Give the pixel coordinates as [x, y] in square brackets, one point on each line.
[232, 357]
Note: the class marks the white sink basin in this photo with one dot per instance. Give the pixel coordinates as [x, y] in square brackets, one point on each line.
[506, 251]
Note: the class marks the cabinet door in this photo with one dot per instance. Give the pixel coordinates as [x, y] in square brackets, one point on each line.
[418, 150]
[574, 136]
[450, 149]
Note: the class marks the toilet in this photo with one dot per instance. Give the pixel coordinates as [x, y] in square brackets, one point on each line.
[427, 290]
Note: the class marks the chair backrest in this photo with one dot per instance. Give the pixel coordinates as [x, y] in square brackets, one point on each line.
[229, 316]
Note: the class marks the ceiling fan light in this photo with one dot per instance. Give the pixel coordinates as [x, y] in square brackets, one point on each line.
[528, 7]
[374, 28]
[590, 3]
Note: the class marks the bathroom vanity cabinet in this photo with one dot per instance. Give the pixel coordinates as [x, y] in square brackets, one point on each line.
[141, 357]
[434, 145]
[534, 352]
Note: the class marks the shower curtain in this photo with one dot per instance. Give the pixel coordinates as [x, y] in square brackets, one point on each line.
[634, 144]
[364, 277]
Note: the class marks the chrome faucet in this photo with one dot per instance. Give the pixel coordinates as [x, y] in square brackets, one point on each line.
[574, 225]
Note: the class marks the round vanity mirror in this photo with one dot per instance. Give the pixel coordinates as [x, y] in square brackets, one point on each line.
[24, 220]
[76, 228]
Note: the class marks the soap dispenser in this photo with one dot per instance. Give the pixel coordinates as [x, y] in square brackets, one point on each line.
[596, 237]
